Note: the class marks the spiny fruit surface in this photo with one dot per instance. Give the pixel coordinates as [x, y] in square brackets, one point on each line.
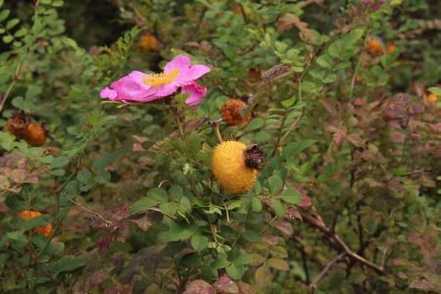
[30, 214]
[35, 134]
[229, 168]
[231, 112]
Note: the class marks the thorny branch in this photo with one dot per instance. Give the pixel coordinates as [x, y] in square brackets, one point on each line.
[317, 223]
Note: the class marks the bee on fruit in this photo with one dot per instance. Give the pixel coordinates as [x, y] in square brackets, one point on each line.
[236, 166]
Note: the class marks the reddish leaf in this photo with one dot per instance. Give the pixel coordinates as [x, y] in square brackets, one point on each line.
[284, 227]
[225, 285]
[199, 287]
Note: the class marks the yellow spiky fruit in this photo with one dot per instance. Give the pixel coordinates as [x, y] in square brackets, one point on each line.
[230, 169]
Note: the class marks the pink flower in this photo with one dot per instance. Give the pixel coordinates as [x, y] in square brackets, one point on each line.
[197, 93]
[127, 88]
[141, 87]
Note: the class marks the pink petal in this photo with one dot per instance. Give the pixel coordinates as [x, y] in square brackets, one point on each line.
[187, 72]
[139, 77]
[181, 62]
[197, 71]
[166, 90]
[197, 93]
[128, 88]
[107, 93]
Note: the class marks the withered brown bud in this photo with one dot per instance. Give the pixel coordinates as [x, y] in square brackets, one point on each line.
[254, 157]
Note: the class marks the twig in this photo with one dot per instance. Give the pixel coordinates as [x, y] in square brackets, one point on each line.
[215, 126]
[305, 265]
[325, 270]
[90, 211]
[341, 245]
[11, 87]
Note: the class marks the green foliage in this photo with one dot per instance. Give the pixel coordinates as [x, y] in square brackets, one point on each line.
[347, 199]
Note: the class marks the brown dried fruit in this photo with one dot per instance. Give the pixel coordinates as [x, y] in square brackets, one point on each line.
[35, 134]
[233, 112]
[16, 125]
[148, 42]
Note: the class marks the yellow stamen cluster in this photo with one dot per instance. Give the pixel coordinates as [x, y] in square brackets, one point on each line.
[155, 80]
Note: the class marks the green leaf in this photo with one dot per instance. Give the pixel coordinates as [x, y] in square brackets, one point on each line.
[177, 232]
[7, 141]
[278, 207]
[85, 180]
[185, 205]
[278, 264]
[435, 90]
[293, 149]
[4, 14]
[255, 124]
[143, 205]
[325, 61]
[275, 183]
[66, 263]
[291, 196]
[199, 242]
[256, 205]
[12, 23]
[236, 271]
[21, 32]
[288, 102]
[35, 222]
[17, 238]
[169, 208]
[8, 39]
[57, 3]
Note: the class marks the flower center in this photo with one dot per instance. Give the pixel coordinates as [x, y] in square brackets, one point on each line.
[160, 79]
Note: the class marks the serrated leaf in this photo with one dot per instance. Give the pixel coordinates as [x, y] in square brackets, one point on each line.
[199, 242]
[4, 14]
[291, 196]
[21, 32]
[275, 183]
[143, 205]
[185, 204]
[263, 278]
[279, 208]
[8, 39]
[278, 264]
[67, 263]
[236, 271]
[256, 205]
[255, 124]
[295, 148]
[12, 23]
[178, 232]
[7, 141]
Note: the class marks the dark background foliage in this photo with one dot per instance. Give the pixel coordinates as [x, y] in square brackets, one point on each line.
[347, 201]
